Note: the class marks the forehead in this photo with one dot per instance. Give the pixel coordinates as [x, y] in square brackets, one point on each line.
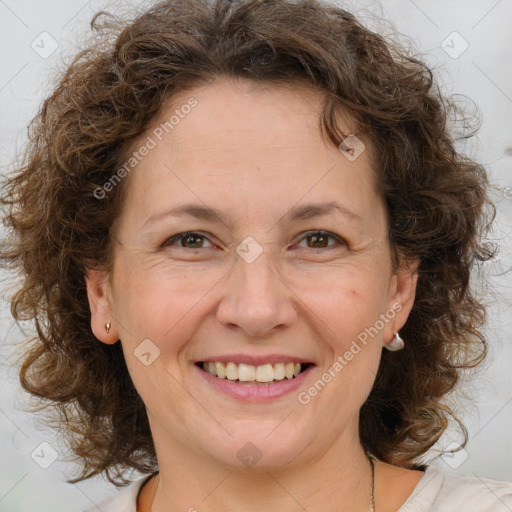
[233, 142]
[240, 106]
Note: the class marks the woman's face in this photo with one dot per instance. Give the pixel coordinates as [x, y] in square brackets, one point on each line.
[256, 284]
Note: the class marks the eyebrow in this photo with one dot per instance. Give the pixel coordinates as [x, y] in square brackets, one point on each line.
[296, 213]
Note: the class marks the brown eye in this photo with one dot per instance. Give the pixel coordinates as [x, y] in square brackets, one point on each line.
[190, 240]
[320, 239]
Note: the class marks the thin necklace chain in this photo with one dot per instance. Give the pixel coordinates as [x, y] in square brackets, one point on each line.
[372, 501]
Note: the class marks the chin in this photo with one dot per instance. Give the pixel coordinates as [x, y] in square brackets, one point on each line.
[259, 447]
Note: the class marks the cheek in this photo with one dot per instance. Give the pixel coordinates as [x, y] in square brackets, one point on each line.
[157, 300]
[353, 350]
[345, 302]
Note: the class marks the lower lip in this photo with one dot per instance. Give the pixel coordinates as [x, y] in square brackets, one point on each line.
[255, 392]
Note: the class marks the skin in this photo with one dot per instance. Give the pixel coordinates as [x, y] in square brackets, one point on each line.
[254, 152]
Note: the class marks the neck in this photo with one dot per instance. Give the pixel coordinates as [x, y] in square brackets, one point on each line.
[338, 480]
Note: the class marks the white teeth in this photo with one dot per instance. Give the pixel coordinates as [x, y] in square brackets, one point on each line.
[279, 373]
[221, 370]
[265, 373]
[248, 373]
[231, 371]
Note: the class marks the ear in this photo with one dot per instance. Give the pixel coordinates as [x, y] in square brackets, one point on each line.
[100, 304]
[403, 293]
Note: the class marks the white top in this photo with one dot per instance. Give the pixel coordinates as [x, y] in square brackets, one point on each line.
[437, 491]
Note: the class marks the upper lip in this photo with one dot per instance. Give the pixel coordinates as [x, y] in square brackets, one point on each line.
[256, 360]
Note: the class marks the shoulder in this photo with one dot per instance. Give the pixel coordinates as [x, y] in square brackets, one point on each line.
[439, 491]
[124, 500]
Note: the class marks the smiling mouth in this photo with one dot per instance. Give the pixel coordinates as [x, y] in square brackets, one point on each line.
[247, 374]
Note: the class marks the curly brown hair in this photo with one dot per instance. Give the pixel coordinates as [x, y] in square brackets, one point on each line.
[437, 200]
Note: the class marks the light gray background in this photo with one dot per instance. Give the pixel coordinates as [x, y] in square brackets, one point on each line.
[482, 72]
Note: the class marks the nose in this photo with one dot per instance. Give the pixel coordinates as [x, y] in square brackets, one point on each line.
[256, 301]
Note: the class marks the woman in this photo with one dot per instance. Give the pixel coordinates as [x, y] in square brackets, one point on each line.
[226, 212]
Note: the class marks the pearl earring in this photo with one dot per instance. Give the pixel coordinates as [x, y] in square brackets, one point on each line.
[107, 327]
[397, 343]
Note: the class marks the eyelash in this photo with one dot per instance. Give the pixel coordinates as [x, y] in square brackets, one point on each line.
[306, 234]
